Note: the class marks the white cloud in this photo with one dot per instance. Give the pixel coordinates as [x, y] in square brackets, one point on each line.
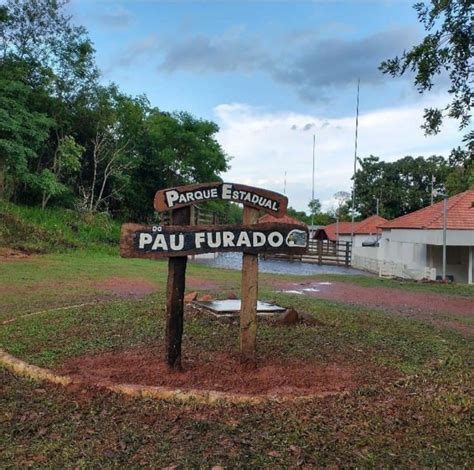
[266, 144]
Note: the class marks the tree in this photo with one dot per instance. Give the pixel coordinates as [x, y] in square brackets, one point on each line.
[342, 210]
[314, 207]
[23, 130]
[40, 34]
[51, 182]
[447, 48]
[299, 215]
[461, 176]
[401, 187]
[111, 152]
[174, 149]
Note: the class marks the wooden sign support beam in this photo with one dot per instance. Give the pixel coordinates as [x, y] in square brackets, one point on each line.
[175, 298]
[180, 239]
[249, 296]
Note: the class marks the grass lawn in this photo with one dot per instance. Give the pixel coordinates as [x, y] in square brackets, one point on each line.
[412, 409]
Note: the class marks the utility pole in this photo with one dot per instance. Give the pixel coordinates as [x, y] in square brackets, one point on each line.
[445, 226]
[355, 163]
[377, 209]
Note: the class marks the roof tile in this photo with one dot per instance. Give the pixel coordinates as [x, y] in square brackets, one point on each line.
[460, 215]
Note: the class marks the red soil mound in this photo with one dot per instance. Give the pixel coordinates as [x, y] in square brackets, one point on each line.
[221, 372]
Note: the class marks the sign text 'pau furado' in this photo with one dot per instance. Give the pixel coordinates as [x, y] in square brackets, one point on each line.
[180, 239]
[164, 241]
[268, 201]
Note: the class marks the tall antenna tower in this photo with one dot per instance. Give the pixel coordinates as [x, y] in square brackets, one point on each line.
[355, 163]
[312, 188]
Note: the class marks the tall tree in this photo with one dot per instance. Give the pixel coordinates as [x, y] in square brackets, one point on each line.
[446, 49]
[39, 33]
[461, 176]
[23, 130]
[174, 149]
[402, 186]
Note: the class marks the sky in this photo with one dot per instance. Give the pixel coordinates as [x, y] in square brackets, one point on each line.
[273, 74]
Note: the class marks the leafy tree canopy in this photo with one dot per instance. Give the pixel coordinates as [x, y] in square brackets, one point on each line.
[22, 129]
[400, 187]
[446, 49]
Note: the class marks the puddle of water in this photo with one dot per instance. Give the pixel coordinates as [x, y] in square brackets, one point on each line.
[234, 261]
[291, 292]
[311, 289]
[325, 283]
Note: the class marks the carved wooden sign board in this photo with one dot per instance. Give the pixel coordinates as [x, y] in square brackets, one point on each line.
[179, 240]
[268, 201]
[167, 241]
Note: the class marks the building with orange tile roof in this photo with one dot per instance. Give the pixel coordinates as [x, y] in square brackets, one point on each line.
[285, 219]
[411, 246]
[342, 231]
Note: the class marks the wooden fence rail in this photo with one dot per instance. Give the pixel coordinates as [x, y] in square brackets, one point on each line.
[323, 252]
[198, 217]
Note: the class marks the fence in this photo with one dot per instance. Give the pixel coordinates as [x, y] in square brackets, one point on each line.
[198, 217]
[328, 252]
[322, 252]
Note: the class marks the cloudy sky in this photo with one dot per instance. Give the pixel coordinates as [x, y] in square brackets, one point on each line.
[272, 74]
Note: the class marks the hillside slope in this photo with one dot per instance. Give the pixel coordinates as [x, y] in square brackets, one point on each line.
[33, 230]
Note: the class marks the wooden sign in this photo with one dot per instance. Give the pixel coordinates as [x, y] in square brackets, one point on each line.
[181, 196]
[180, 239]
[139, 241]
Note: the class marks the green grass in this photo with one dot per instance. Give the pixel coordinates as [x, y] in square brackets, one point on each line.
[412, 409]
[343, 331]
[34, 230]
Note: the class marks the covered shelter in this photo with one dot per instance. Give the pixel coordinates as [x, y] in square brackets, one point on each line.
[338, 231]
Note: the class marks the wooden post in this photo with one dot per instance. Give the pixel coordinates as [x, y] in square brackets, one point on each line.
[249, 296]
[347, 255]
[175, 298]
[320, 252]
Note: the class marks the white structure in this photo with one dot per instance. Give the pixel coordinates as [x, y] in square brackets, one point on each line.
[412, 245]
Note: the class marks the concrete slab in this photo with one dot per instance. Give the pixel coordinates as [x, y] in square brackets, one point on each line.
[231, 307]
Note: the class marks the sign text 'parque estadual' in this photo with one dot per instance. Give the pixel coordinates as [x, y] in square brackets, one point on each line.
[258, 198]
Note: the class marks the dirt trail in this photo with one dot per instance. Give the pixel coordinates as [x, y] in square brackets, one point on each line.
[125, 287]
[419, 305]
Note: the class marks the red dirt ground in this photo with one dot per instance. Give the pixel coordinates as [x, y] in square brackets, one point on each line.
[135, 288]
[125, 287]
[220, 372]
[198, 283]
[419, 305]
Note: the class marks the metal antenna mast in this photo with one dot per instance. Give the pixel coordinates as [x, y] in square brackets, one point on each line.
[355, 163]
[312, 189]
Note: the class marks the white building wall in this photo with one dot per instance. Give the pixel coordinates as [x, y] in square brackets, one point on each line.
[367, 258]
[417, 254]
